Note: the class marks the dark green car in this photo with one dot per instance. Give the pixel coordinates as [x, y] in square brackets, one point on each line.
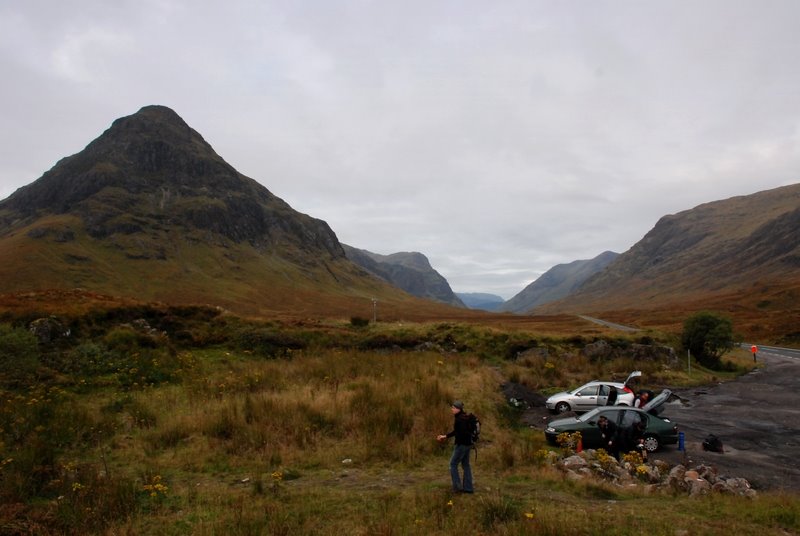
[658, 430]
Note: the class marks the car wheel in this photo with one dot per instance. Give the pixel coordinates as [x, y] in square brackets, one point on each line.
[651, 443]
[562, 407]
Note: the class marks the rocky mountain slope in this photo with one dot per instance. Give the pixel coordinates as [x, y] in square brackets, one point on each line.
[557, 282]
[743, 252]
[149, 210]
[410, 271]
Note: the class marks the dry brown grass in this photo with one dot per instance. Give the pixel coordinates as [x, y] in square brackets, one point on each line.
[328, 439]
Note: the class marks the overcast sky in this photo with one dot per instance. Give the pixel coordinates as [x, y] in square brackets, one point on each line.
[499, 138]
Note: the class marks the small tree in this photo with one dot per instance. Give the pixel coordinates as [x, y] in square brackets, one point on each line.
[707, 336]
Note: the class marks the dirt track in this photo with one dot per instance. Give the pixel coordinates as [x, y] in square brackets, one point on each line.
[757, 417]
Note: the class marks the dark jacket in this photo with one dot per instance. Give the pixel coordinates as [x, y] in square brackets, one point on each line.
[632, 436]
[461, 429]
[609, 434]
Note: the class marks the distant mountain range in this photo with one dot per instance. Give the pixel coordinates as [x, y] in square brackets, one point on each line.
[559, 281]
[480, 300]
[410, 271]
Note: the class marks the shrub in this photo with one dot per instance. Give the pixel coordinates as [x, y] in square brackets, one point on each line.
[707, 336]
[359, 322]
[19, 354]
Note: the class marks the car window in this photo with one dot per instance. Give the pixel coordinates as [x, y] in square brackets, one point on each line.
[588, 391]
[604, 390]
[631, 417]
[591, 415]
[613, 413]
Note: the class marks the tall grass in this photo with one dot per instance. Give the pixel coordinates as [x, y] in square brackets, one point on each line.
[321, 437]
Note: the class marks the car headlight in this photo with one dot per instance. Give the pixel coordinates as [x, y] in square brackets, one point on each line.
[550, 430]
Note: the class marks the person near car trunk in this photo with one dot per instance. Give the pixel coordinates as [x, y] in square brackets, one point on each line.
[633, 439]
[463, 446]
[609, 437]
[642, 399]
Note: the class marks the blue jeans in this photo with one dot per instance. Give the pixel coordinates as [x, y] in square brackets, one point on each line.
[461, 455]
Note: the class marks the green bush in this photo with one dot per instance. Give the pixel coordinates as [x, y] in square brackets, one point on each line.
[359, 322]
[707, 336]
[19, 354]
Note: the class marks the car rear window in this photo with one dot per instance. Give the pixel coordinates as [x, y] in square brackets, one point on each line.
[631, 417]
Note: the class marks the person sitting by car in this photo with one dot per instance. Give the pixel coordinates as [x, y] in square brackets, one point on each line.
[609, 437]
[633, 439]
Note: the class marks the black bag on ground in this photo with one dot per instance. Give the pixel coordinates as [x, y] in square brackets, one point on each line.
[712, 443]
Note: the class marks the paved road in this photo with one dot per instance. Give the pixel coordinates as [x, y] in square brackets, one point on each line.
[611, 325]
[757, 417]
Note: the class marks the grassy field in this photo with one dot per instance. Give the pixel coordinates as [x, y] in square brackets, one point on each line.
[187, 421]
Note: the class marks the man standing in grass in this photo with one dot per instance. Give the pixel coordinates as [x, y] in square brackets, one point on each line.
[463, 445]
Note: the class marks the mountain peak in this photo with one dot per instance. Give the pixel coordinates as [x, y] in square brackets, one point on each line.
[151, 170]
[153, 120]
[158, 111]
[150, 150]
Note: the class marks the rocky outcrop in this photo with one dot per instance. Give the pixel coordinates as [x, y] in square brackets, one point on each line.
[601, 350]
[655, 476]
[48, 329]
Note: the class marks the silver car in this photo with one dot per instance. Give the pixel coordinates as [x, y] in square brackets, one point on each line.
[592, 395]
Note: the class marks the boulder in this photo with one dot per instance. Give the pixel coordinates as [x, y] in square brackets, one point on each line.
[675, 479]
[707, 472]
[48, 329]
[597, 351]
[572, 463]
[698, 487]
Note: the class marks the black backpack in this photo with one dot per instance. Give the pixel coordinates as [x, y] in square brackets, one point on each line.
[712, 443]
[474, 428]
